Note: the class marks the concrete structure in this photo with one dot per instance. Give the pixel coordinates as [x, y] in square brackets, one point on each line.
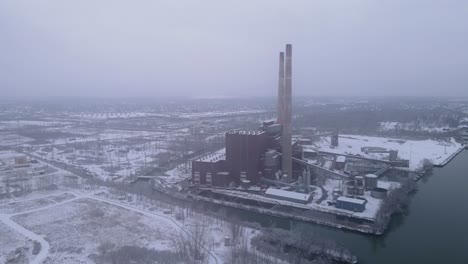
[334, 139]
[340, 162]
[285, 110]
[280, 105]
[287, 115]
[351, 204]
[291, 196]
[306, 178]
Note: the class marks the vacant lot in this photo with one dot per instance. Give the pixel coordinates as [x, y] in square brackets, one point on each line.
[77, 229]
[14, 246]
[21, 206]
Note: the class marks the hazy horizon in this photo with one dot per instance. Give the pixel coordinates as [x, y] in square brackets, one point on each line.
[216, 49]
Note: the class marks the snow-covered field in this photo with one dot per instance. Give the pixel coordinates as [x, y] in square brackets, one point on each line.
[411, 126]
[413, 150]
[21, 206]
[113, 115]
[23, 123]
[75, 230]
[71, 225]
[220, 114]
[91, 135]
[11, 241]
[11, 139]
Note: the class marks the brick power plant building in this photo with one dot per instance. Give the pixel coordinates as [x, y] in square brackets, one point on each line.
[249, 156]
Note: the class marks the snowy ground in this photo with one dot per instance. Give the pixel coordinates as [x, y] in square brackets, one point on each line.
[411, 126]
[413, 150]
[71, 224]
[21, 206]
[11, 139]
[88, 223]
[106, 161]
[11, 241]
[177, 175]
[23, 123]
[112, 115]
[221, 114]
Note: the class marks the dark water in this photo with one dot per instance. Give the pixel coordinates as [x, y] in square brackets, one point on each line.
[435, 229]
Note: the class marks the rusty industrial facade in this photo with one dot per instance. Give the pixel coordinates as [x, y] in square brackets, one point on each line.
[245, 154]
[246, 158]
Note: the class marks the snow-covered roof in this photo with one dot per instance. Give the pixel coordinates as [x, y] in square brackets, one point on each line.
[340, 159]
[438, 151]
[254, 133]
[351, 200]
[288, 194]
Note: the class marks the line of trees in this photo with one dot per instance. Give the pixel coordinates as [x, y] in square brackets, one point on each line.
[397, 201]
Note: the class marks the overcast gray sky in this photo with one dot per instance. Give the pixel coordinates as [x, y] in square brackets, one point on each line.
[230, 48]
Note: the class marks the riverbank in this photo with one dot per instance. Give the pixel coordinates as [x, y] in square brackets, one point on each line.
[309, 216]
[451, 157]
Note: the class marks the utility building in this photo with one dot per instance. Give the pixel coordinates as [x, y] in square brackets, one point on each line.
[245, 152]
[351, 204]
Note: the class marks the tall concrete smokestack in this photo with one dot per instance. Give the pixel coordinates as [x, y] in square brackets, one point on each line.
[287, 115]
[280, 106]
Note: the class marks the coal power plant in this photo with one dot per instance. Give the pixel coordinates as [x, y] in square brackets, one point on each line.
[309, 177]
[250, 156]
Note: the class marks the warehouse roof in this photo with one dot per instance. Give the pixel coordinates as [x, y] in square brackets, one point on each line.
[340, 159]
[288, 194]
[351, 200]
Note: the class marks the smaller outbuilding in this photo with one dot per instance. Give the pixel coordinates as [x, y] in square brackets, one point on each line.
[291, 196]
[351, 204]
[340, 162]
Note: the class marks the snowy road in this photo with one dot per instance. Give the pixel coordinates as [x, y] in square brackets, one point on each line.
[45, 246]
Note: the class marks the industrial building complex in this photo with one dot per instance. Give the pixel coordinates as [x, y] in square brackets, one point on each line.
[271, 169]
